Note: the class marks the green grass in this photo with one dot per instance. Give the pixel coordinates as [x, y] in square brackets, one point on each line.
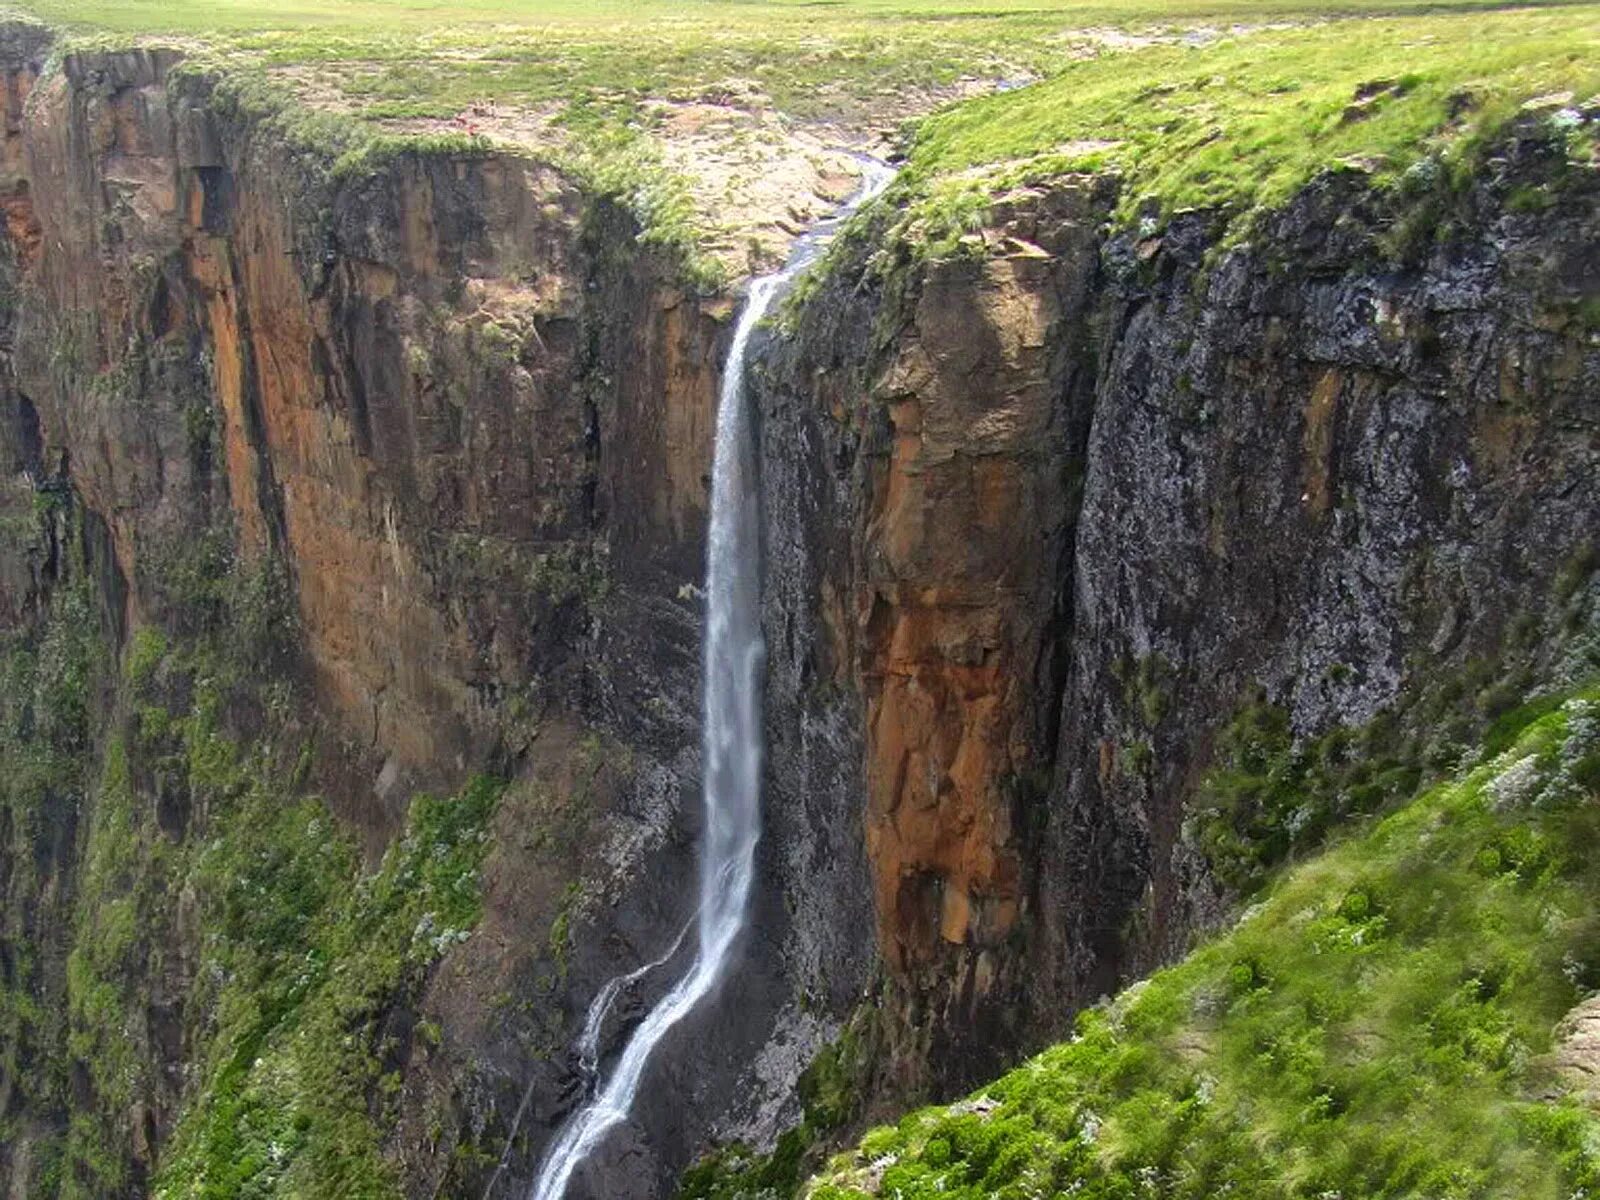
[830, 1091]
[1379, 1026]
[311, 954]
[423, 58]
[1242, 123]
[1237, 121]
[1269, 798]
[411, 60]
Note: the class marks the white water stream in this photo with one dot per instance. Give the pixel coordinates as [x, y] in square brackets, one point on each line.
[734, 750]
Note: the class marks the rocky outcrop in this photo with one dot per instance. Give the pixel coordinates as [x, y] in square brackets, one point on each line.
[1354, 480]
[1577, 1053]
[932, 525]
[1078, 500]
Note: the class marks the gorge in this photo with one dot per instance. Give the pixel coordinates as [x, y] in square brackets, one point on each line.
[732, 758]
[364, 828]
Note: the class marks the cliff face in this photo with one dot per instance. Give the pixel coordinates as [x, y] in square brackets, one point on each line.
[428, 436]
[1365, 491]
[459, 423]
[424, 403]
[1077, 504]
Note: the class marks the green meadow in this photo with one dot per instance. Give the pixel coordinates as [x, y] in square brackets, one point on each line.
[1218, 103]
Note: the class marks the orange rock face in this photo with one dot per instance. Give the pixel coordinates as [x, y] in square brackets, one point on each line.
[923, 437]
[456, 429]
[962, 555]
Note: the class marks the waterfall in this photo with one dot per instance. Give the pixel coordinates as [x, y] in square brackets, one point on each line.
[733, 748]
[594, 1024]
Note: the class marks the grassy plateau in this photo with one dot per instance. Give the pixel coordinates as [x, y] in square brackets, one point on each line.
[1199, 102]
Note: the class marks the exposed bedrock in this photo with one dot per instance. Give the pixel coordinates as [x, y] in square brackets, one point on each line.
[1057, 511]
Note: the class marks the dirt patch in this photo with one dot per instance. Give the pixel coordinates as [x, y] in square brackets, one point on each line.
[756, 180]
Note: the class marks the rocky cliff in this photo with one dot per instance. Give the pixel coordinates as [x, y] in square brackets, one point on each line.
[1074, 508]
[341, 475]
[445, 427]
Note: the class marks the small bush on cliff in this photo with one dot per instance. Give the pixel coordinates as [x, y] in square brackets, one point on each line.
[1269, 798]
[1379, 1026]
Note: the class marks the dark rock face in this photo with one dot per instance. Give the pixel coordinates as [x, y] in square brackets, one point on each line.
[1340, 482]
[1075, 502]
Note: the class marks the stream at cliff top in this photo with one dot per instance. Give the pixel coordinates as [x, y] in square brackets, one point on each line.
[733, 746]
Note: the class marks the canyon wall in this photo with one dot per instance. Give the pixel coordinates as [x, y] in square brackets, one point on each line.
[429, 430]
[433, 402]
[453, 423]
[1070, 506]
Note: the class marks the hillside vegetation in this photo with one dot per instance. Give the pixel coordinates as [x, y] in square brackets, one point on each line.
[1244, 122]
[1384, 1023]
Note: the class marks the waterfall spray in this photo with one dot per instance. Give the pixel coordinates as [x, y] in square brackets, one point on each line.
[733, 752]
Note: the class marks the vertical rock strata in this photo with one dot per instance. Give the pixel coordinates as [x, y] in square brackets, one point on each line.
[1077, 499]
[426, 384]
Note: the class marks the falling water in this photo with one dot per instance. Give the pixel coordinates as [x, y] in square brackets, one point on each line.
[733, 752]
[600, 1008]
[594, 1024]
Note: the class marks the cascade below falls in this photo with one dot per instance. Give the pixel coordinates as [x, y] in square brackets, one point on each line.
[733, 743]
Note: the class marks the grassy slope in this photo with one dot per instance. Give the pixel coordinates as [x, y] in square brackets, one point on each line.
[1376, 1027]
[1245, 121]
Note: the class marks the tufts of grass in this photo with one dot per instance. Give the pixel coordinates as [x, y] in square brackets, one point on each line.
[1268, 799]
[831, 1093]
[1242, 123]
[1379, 1025]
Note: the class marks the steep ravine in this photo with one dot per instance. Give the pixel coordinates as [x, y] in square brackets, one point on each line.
[456, 422]
[1040, 522]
